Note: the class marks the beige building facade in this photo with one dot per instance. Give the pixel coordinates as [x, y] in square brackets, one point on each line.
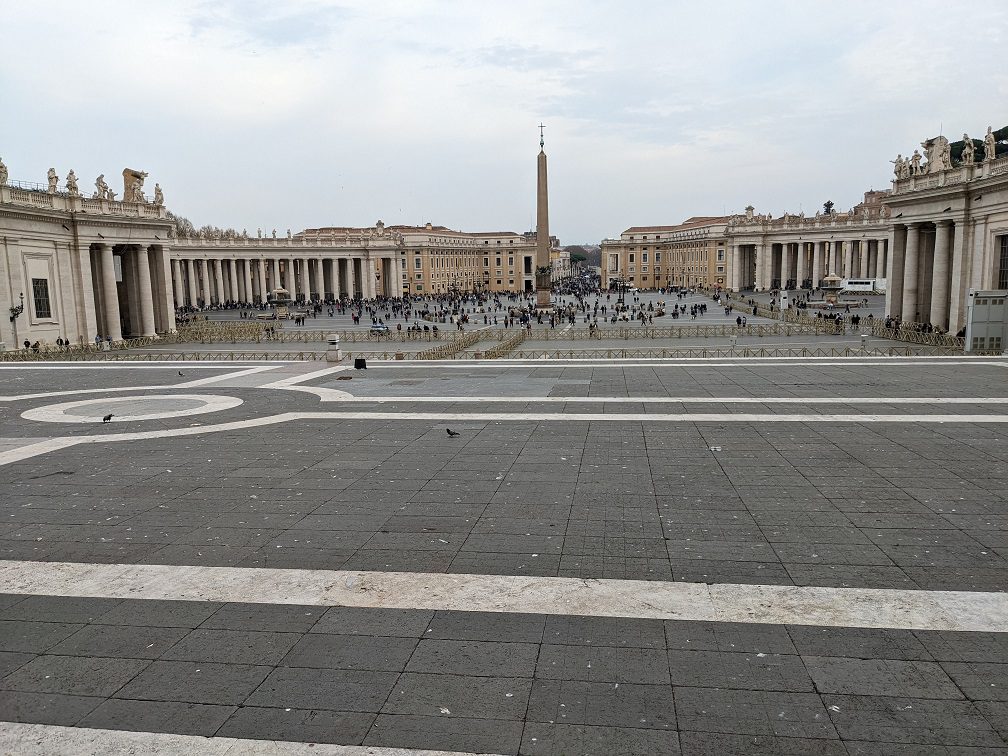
[692, 253]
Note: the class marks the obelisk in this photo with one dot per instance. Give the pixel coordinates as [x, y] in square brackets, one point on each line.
[543, 278]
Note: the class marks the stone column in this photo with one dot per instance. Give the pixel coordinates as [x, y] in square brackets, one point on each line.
[274, 282]
[894, 272]
[204, 266]
[320, 279]
[802, 273]
[883, 257]
[910, 267]
[848, 271]
[873, 259]
[338, 278]
[247, 271]
[145, 293]
[817, 256]
[736, 268]
[218, 277]
[760, 264]
[957, 292]
[179, 290]
[233, 274]
[263, 292]
[940, 275]
[110, 294]
[193, 293]
[161, 261]
[291, 279]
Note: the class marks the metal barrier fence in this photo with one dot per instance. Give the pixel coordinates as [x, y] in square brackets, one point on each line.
[912, 336]
[449, 350]
[506, 346]
[234, 332]
[121, 356]
[718, 352]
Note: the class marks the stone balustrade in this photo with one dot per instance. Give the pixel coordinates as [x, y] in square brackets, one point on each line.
[71, 203]
[960, 174]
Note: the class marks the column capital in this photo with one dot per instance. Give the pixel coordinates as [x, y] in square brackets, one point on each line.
[944, 222]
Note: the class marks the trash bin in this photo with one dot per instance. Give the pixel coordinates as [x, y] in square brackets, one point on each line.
[360, 363]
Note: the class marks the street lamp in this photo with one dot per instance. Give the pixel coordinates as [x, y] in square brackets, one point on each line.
[15, 313]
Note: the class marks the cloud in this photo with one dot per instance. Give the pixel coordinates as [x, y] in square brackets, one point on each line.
[307, 112]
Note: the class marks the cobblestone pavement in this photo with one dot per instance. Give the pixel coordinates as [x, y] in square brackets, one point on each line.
[721, 556]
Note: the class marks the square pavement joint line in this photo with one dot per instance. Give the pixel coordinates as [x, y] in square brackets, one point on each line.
[45, 740]
[720, 602]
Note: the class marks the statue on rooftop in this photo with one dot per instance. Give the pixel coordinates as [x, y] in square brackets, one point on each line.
[101, 188]
[53, 180]
[989, 146]
[968, 150]
[3, 173]
[827, 207]
[915, 163]
[71, 184]
[158, 195]
[899, 166]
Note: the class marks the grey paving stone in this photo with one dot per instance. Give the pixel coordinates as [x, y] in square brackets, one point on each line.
[743, 712]
[157, 613]
[195, 682]
[445, 733]
[33, 637]
[462, 695]
[910, 720]
[232, 646]
[857, 642]
[305, 725]
[45, 708]
[980, 681]
[543, 739]
[68, 609]
[602, 704]
[365, 652]
[739, 671]
[604, 631]
[264, 617]
[964, 646]
[486, 626]
[10, 661]
[73, 675]
[603, 664]
[332, 689]
[482, 658]
[157, 716]
[724, 744]
[120, 641]
[347, 620]
[881, 677]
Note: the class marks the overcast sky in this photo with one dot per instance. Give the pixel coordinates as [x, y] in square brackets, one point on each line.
[304, 113]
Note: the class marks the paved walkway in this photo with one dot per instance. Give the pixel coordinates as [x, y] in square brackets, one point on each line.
[720, 556]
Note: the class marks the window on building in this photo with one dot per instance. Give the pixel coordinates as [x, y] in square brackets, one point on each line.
[417, 263]
[419, 276]
[631, 257]
[40, 292]
[720, 255]
[510, 261]
[657, 257]
[643, 268]
[643, 257]
[1003, 270]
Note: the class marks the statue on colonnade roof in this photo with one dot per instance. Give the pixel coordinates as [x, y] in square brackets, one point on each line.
[71, 184]
[915, 163]
[101, 188]
[968, 150]
[3, 173]
[53, 180]
[158, 195]
[990, 148]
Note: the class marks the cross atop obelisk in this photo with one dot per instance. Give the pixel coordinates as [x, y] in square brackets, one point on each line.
[543, 279]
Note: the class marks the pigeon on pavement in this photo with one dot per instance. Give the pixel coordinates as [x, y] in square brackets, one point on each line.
[107, 418]
[452, 433]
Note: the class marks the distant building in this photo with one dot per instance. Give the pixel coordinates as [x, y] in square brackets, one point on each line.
[691, 253]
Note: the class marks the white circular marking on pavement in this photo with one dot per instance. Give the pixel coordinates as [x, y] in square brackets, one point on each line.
[131, 408]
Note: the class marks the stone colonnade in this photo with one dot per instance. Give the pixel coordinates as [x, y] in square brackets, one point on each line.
[211, 279]
[767, 264]
[927, 285]
[136, 300]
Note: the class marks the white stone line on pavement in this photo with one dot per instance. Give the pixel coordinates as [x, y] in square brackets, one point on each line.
[467, 364]
[50, 740]
[149, 408]
[225, 377]
[35, 449]
[643, 599]
[293, 383]
[675, 399]
[126, 365]
[488, 417]
[152, 387]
